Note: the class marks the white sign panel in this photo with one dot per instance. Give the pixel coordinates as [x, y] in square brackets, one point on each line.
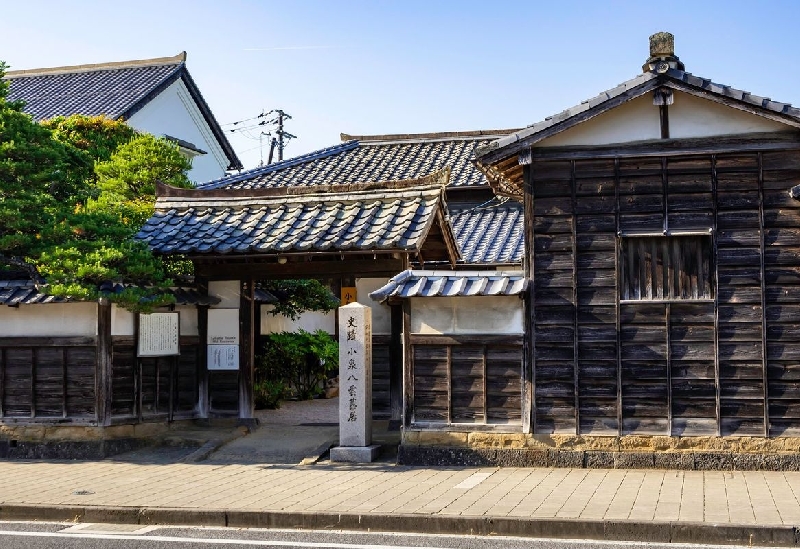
[223, 327]
[223, 357]
[159, 334]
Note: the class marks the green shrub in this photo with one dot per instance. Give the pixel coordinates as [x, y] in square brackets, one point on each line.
[299, 361]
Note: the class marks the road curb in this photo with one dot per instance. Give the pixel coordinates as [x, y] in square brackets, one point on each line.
[607, 530]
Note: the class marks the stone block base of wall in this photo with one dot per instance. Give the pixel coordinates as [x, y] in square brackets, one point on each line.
[37, 441]
[624, 452]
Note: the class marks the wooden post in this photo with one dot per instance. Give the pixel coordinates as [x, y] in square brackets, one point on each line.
[103, 363]
[202, 362]
[396, 367]
[408, 361]
[246, 354]
[715, 289]
[528, 418]
[2, 380]
[763, 274]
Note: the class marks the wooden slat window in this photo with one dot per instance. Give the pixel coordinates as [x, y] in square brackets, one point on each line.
[666, 268]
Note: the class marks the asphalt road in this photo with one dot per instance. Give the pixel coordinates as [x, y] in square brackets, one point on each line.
[38, 535]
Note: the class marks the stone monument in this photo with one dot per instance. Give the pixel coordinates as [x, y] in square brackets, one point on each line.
[355, 386]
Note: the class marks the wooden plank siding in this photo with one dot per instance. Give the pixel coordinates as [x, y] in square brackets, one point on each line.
[55, 380]
[154, 388]
[474, 380]
[614, 349]
[381, 397]
[47, 379]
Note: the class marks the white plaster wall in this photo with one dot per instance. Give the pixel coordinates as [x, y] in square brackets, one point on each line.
[227, 291]
[692, 116]
[174, 112]
[122, 321]
[188, 319]
[638, 120]
[635, 120]
[381, 313]
[49, 319]
[466, 315]
[309, 321]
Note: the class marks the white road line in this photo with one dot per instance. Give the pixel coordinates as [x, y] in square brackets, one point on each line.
[198, 541]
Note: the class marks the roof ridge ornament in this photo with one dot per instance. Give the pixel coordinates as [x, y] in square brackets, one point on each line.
[662, 54]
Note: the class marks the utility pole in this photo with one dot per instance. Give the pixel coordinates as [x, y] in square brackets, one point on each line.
[281, 134]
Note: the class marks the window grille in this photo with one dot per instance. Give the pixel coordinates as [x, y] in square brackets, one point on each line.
[666, 268]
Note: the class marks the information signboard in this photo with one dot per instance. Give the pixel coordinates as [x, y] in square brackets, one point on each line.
[223, 357]
[223, 327]
[159, 334]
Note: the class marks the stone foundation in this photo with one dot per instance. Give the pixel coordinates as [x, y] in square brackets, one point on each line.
[41, 441]
[622, 452]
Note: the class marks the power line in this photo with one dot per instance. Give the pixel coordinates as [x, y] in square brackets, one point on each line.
[265, 125]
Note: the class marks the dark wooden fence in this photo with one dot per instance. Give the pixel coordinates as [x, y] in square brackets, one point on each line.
[47, 379]
[163, 388]
[474, 379]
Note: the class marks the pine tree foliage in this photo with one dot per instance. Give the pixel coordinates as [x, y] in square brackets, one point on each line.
[73, 193]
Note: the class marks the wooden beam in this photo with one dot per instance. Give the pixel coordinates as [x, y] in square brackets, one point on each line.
[396, 367]
[575, 343]
[202, 362]
[714, 239]
[3, 364]
[764, 356]
[528, 307]
[511, 340]
[77, 341]
[618, 294]
[674, 147]
[103, 367]
[308, 269]
[246, 352]
[408, 365]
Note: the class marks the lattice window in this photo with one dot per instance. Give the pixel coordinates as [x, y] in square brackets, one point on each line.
[666, 268]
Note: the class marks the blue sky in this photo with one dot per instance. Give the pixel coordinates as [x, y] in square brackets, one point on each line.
[408, 66]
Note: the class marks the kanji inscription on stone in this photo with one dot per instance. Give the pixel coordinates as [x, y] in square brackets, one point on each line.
[355, 375]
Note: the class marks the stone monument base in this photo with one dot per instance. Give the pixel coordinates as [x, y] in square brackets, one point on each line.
[355, 454]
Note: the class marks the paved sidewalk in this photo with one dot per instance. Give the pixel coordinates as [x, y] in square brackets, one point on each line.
[245, 486]
[579, 500]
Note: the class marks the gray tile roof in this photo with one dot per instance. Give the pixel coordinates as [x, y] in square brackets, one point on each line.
[24, 292]
[116, 90]
[182, 295]
[390, 216]
[372, 159]
[489, 233]
[451, 284]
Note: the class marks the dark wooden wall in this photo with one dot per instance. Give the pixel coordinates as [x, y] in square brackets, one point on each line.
[728, 364]
[472, 379]
[381, 399]
[153, 388]
[47, 378]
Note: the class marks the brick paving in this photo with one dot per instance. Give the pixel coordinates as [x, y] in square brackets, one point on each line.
[733, 497]
[160, 479]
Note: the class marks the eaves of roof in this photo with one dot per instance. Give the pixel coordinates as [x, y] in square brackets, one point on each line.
[673, 78]
[386, 217]
[174, 68]
[422, 283]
